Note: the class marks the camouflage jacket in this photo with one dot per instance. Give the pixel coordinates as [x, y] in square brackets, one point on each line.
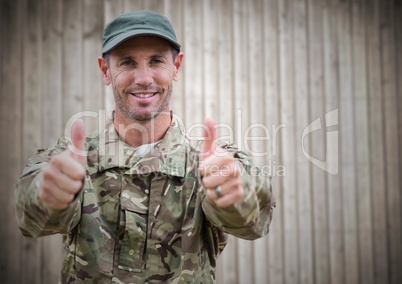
[142, 220]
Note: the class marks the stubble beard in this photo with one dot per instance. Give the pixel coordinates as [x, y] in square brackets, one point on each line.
[137, 116]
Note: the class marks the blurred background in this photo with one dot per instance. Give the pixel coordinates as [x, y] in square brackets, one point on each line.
[312, 88]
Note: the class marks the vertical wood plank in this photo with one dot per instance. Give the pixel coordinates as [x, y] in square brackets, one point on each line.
[364, 223]
[302, 113]
[392, 143]
[398, 57]
[224, 45]
[272, 115]
[112, 9]
[322, 84]
[31, 121]
[175, 12]
[210, 74]
[72, 91]
[3, 236]
[332, 103]
[347, 150]
[92, 92]
[257, 131]
[51, 119]
[192, 74]
[52, 71]
[226, 266]
[288, 138]
[154, 5]
[241, 68]
[377, 160]
[376, 121]
[133, 5]
[72, 87]
[10, 133]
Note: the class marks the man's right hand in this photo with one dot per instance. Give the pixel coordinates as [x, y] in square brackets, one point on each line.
[63, 176]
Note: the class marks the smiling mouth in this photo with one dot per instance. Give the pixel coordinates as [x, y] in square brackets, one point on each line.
[144, 96]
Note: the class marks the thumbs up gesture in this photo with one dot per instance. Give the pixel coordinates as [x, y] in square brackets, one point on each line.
[63, 176]
[220, 175]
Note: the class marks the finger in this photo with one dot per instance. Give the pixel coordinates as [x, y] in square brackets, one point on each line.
[51, 202]
[226, 188]
[230, 194]
[214, 178]
[230, 198]
[208, 146]
[60, 195]
[78, 141]
[61, 180]
[68, 165]
[53, 196]
[215, 164]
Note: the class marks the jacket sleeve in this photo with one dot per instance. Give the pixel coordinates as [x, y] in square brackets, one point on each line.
[250, 217]
[33, 218]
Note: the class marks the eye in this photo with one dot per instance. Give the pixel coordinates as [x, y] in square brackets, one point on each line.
[156, 61]
[127, 62]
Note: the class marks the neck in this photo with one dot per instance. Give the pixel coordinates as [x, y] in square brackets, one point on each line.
[137, 133]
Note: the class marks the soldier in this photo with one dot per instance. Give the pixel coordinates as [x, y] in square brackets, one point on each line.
[136, 203]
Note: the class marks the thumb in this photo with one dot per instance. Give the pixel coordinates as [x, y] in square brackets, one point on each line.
[78, 141]
[208, 146]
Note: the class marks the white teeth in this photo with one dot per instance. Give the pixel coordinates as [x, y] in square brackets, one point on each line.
[143, 96]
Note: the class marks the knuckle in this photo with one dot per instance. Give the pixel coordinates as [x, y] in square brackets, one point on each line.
[48, 173]
[76, 174]
[210, 194]
[206, 182]
[76, 186]
[69, 199]
[83, 172]
[80, 172]
[56, 160]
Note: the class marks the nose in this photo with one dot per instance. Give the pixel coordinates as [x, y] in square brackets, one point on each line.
[143, 76]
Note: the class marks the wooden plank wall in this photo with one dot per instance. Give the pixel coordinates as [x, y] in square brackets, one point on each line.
[267, 68]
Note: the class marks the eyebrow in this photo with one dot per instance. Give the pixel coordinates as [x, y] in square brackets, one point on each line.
[124, 55]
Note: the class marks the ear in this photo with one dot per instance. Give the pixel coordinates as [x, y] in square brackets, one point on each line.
[177, 65]
[104, 67]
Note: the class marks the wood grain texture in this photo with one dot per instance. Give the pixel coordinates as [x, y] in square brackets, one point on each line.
[362, 155]
[346, 142]
[392, 143]
[31, 119]
[377, 147]
[10, 133]
[52, 115]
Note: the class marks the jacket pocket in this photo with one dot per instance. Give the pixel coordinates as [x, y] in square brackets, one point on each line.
[135, 232]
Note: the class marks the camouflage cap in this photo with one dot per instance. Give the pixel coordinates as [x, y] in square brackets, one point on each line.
[137, 23]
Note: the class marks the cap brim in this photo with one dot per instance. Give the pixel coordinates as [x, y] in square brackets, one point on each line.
[127, 35]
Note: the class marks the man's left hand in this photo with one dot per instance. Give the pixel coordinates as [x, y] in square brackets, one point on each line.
[219, 170]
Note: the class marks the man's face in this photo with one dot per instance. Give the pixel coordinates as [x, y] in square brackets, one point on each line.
[141, 71]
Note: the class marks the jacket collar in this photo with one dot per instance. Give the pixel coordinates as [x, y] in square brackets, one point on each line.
[168, 157]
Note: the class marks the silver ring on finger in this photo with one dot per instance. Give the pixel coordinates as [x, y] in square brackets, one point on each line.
[218, 191]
